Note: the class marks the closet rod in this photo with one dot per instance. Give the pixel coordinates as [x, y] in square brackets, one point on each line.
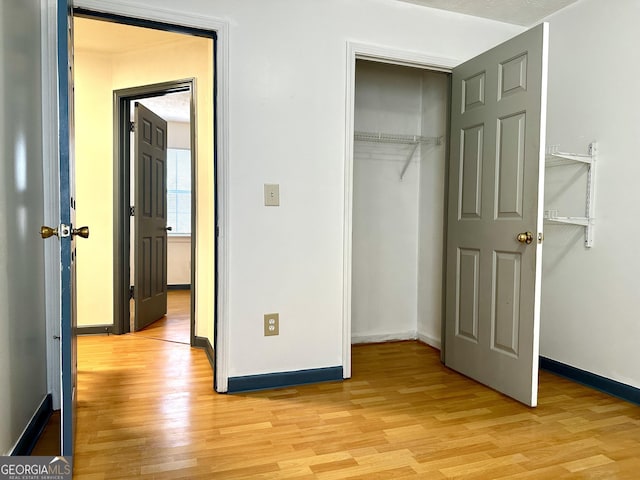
[395, 138]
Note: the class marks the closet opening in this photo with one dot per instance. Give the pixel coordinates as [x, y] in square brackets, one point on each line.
[399, 178]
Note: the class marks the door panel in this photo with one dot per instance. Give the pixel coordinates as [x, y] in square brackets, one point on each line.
[495, 193]
[150, 243]
[471, 172]
[505, 309]
[513, 76]
[473, 92]
[468, 289]
[510, 165]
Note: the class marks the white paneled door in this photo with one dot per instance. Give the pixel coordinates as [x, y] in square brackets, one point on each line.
[494, 231]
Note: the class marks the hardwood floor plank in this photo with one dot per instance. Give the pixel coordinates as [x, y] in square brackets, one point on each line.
[587, 463]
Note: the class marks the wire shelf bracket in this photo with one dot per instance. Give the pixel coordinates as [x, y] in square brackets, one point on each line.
[555, 158]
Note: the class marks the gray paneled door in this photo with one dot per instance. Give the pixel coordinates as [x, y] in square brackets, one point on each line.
[495, 215]
[150, 250]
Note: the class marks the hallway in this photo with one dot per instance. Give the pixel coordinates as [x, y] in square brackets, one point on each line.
[174, 326]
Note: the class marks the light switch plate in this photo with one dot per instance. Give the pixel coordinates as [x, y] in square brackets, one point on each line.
[271, 195]
[271, 324]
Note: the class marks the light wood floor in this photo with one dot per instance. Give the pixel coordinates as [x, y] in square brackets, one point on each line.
[174, 326]
[147, 410]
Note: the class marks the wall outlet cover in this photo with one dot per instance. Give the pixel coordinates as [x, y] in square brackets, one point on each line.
[271, 195]
[271, 324]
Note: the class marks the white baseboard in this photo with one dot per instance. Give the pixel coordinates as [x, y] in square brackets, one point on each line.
[431, 341]
[385, 337]
[398, 336]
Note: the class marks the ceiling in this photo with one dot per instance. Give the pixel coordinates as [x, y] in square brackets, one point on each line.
[114, 38]
[109, 38]
[173, 107]
[519, 12]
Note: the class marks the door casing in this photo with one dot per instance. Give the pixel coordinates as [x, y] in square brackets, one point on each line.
[122, 197]
[374, 53]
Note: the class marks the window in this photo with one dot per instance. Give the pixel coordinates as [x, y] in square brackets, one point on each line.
[179, 191]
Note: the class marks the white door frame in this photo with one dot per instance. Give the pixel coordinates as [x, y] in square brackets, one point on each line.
[375, 53]
[221, 27]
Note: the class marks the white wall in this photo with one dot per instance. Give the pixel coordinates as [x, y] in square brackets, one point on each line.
[590, 298]
[287, 110]
[435, 104]
[179, 247]
[385, 208]
[179, 260]
[178, 135]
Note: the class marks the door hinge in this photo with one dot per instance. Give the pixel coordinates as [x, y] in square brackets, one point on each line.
[132, 126]
[130, 292]
[132, 211]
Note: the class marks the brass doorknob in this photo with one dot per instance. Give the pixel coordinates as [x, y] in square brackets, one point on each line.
[81, 232]
[46, 232]
[525, 237]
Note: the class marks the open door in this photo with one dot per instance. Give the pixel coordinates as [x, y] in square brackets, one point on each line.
[150, 244]
[495, 215]
[67, 231]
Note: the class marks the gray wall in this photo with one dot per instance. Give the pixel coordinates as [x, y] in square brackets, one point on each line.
[23, 376]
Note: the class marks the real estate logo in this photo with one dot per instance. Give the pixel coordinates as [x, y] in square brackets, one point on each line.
[35, 468]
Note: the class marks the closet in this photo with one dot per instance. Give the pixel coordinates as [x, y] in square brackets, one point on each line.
[400, 124]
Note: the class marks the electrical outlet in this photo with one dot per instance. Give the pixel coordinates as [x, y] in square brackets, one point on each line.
[271, 324]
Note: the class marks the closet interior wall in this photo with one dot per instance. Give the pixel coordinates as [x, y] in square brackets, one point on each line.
[398, 222]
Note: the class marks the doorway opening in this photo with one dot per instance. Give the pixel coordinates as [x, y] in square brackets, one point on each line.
[493, 203]
[399, 191]
[391, 135]
[126, 60]
[173, 102]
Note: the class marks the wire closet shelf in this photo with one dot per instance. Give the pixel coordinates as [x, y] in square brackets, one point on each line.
[396, 138]
[414, 140]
